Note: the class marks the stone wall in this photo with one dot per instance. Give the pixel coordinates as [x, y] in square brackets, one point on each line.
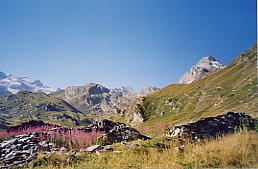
[213, 126]
[19, 150]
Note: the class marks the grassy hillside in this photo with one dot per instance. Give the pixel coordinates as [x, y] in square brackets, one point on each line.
[233, 88]
[237, 150]
[24, 106]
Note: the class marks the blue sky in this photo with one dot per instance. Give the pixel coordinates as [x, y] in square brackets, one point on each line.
[120, 42]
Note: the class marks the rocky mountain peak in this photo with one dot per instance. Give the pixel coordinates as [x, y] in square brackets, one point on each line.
[209, 62]
[203, 68]
[124, 90]
[87, 90]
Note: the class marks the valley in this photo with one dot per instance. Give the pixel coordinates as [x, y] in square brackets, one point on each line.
[175, 126]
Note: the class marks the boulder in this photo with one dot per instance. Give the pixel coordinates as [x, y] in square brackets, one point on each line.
[122, 135]
[91, 148]
[106, 125]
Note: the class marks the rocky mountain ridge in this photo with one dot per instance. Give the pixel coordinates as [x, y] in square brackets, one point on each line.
[203, 68]
[97, 99]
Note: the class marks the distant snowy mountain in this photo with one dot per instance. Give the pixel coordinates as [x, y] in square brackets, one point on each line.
[123, 90]
[14, 84]
[202, 69]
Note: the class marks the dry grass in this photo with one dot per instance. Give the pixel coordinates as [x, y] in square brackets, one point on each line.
[239, 150]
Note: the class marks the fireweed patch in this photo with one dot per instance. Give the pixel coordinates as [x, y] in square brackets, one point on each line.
[62, 137]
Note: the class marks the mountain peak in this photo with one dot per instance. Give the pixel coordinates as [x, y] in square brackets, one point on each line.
[124, 90]
[203, 68]
[14, 84]
[207, 59]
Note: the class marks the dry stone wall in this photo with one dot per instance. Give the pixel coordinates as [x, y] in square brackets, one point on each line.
[20, 149]
[213, 126]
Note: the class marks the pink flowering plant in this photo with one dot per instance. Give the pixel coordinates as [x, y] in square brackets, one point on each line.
[62, 137]
[4, 135]
[71, 138]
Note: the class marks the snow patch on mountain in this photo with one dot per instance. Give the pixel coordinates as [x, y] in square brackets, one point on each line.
[14, 84]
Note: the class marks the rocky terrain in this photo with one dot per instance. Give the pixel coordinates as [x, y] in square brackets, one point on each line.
[213, 126]
[19, 150]
[24, 148]
[25, 105]
[13, 84]
[202, 69]
[97, 99]
[116, 132]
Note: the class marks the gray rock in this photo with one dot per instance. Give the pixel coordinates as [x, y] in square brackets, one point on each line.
[62, 149]
[122, 135]
[8, 143]
[116, 132]
[92, 148]
[18, 150]
[213, 126]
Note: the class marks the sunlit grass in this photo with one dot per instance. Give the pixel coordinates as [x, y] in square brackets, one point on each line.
[239, 150]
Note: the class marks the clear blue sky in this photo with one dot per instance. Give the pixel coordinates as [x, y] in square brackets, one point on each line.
[120, 42]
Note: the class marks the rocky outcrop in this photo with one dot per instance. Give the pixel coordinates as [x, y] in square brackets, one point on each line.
[134, 114]
[106, 125]
[116, 132]
[122, 135]
[247, 56]
[19, 150]
[202, 69]
[213, 126]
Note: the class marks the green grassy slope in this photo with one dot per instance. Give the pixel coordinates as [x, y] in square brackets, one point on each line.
[24, 106]
[233, 88]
